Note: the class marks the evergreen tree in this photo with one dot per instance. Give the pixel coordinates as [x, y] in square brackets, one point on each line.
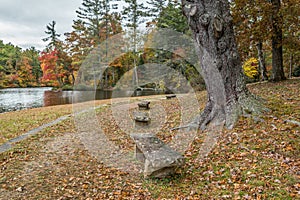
[53, 38]
[171, 17]
[78, 43]
[55, 48]
[95, 16]
[96, 22]
[134, 15]
[156, 7]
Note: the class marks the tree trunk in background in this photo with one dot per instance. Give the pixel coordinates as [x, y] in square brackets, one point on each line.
[291, 65]
[277, 53]
[262, 63]
[113, 75]
[228, 97]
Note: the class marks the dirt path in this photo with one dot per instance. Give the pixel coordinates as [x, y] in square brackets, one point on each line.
[92, 104]
[61, 159]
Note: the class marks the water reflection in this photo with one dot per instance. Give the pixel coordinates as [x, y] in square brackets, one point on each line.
[52, 98]
[66, 97]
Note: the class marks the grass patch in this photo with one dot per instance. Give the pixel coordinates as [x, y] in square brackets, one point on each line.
[16, 123]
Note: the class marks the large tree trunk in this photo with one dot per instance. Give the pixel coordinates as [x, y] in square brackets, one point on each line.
[262, 63]
[228, 97]
[277, 54]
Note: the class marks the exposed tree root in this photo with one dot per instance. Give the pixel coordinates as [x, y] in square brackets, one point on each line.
[215, 115]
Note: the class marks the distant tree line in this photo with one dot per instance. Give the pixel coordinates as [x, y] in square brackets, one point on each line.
[19, 68]
[267, 34]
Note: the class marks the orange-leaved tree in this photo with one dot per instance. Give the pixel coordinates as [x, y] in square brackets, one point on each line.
[25, 74]
[52, 72]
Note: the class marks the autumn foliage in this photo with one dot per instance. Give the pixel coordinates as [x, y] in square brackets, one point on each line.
[52, 71]
[62, 60]
[18, 68]
[250, 68]
[25, 73]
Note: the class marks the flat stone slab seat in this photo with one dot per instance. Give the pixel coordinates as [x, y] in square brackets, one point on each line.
[171, 96]
[158, 158]
[144, 105]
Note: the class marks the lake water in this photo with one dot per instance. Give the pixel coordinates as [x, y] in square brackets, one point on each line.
[13, 99]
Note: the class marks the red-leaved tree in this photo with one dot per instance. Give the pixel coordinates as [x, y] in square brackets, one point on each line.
[52, 71]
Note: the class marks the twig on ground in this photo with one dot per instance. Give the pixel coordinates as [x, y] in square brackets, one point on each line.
[293, 122]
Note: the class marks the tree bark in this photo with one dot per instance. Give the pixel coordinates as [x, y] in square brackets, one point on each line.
[262, 63]
[277, 53]
[228, 96]
[291, 65]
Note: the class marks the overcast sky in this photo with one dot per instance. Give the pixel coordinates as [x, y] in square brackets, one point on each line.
[23, 22]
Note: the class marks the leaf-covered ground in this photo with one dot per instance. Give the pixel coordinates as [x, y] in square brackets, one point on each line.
[259, 159]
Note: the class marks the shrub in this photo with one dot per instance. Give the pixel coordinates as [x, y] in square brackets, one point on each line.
[250, 68]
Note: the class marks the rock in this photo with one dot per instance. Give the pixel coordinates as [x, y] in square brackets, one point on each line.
[171, 96]
[142, 117]
[19, 189]
[258, 120]
[277, 181]
[158, 158]
[144, 105]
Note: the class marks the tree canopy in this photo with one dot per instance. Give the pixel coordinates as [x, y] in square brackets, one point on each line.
[255, 24]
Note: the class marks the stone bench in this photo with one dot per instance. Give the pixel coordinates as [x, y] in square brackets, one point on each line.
[141, 117]
[144, 105]
[158, 158]
[171, 96]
